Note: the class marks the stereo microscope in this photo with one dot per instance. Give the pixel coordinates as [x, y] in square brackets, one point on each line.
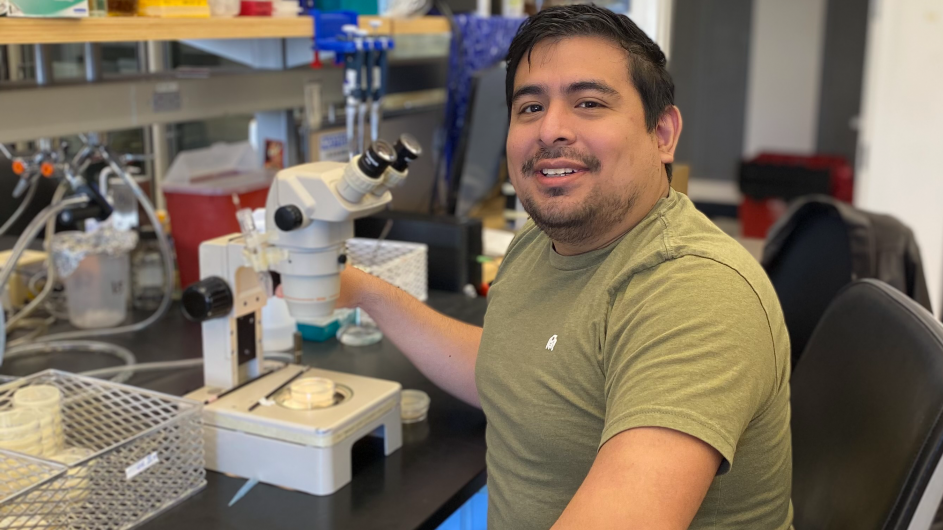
[292, 426]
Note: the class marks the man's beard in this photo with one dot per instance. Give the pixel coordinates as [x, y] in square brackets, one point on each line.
[591, 218]
[586, 222]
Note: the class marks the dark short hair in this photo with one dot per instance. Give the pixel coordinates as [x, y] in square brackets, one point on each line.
[645, 58]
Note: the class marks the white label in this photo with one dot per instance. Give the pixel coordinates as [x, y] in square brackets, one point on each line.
[333, 147]
[141, 465]
[167, 88]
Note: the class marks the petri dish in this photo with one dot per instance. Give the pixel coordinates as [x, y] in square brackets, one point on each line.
[38, 397]
[359, 335]
[312, 392]
[414, 405]
[72, 455]
[18, 424]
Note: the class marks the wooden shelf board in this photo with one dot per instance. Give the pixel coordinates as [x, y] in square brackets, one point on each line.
[131, 29]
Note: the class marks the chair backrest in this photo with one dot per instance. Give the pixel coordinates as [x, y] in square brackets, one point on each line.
[867, 401]
[812, 266]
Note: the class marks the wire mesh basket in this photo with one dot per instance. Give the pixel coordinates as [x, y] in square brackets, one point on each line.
[134, 453]
[402, 264]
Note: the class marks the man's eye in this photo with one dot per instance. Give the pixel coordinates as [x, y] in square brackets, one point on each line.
[530, 109]
[589, 104]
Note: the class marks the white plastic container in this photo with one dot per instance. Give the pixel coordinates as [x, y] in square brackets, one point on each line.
[224, 8]
[97, 292]
[285, 8]
[278, 327]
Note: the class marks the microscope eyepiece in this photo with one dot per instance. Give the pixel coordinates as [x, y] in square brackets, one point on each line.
[376, 159]
[407, 149]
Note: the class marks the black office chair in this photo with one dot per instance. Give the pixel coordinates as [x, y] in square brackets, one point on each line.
[812, 266]
[821, 245]
[867, 402]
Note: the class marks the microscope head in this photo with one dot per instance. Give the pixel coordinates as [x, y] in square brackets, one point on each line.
[311, 209]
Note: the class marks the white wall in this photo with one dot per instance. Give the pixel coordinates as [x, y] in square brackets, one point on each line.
[786, 46]
[654, 18]
[900, 146]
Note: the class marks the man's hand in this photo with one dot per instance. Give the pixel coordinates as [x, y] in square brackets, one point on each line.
[443, 348]
[643, 478]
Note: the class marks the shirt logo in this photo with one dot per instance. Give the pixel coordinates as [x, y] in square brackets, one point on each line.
[552, 342]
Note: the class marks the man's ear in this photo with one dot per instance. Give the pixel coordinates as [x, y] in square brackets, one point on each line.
[667, 132]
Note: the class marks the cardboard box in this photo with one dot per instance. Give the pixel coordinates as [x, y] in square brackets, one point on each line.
[679, 177]
[47, 8]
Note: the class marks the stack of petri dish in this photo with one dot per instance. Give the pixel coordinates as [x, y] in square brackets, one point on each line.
[312, 393]
[44, 401]
[414, 406]
[77, 482]
[20, 431]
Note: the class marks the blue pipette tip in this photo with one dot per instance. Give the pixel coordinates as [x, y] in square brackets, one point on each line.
[243, 490]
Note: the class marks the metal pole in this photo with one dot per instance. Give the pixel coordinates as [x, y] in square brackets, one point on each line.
[42, 56]
[157, 62]
[148, 133]
[93, 62]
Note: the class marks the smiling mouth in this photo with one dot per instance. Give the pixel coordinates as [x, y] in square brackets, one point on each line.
[562, 172]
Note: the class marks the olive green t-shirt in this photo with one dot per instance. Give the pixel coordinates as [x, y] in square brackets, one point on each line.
[674, 325]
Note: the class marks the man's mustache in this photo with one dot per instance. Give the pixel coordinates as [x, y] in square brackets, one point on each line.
[589, 161]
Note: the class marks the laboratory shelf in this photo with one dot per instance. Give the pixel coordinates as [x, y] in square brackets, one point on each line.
[129, 29]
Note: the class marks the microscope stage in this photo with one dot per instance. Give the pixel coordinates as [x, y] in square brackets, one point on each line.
[256, 408]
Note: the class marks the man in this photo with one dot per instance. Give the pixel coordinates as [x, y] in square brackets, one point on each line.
[634, 364]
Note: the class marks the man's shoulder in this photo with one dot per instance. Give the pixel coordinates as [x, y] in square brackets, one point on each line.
[681, 241]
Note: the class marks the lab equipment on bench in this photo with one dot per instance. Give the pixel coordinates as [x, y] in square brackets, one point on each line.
[281, 426]
[76, 199]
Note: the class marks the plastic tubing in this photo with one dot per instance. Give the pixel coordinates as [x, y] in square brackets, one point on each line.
[28, 198]
[132, 369]
[50, 268]
[114, 350]
[30, 233]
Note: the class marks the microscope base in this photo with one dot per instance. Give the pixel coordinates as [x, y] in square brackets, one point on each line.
[250, 432]
[313, 470]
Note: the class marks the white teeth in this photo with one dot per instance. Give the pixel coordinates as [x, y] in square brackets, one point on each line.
[557, 172]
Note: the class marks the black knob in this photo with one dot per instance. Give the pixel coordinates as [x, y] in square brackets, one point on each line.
[206, 299]
[342, 259]
[407, 148]
[288, 218]
[376, 159]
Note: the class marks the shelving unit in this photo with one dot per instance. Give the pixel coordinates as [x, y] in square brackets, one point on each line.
[115, 29]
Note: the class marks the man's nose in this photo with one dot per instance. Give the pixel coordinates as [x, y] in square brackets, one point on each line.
[556, 126]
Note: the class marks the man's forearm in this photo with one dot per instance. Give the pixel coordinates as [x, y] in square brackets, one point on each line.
[443, 348]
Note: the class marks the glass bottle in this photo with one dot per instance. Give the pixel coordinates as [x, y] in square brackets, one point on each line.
[147, 269]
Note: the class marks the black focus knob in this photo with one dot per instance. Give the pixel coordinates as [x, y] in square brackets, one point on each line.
[288, 218]
[206, 299]
[374, 161]
[407, 148]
